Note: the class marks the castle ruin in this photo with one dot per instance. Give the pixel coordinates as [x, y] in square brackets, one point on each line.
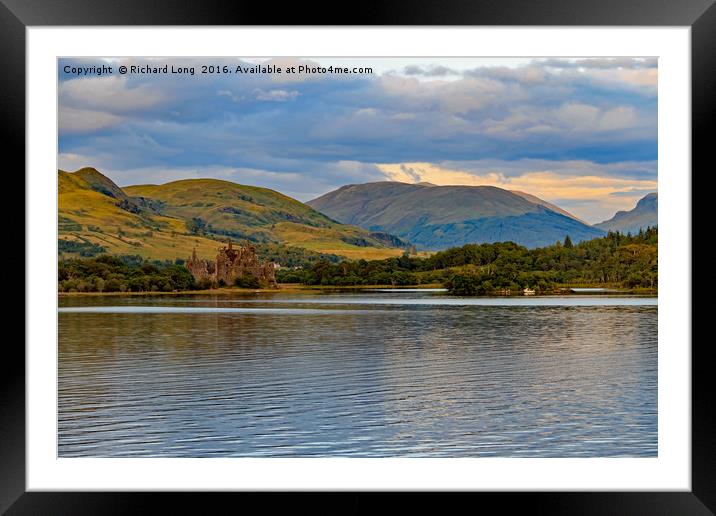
[231, 264]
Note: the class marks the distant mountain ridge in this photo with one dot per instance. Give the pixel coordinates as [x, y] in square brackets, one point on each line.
[438, 217]
[643, 215]
[167, 221]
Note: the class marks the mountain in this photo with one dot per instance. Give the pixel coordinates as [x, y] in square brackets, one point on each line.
[644, 214]
[168, 221]
[438, 217]
[549, 205]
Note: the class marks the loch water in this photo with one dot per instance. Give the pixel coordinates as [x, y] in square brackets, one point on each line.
[375, 373]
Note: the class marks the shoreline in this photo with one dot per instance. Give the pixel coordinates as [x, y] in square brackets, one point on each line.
[289, 287]
[297, 287]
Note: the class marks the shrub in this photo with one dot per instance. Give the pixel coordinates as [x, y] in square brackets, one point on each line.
[204, 284]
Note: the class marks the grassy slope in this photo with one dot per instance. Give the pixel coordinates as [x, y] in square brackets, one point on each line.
[90, 216]
[259, 213]
[89, 211]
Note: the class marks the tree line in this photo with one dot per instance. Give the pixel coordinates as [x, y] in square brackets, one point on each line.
[122, 274]
[617, 260]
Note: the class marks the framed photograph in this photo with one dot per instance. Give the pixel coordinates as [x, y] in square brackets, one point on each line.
[423, 252]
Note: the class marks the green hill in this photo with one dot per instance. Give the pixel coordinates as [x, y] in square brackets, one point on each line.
[168, 221]
[438, 217]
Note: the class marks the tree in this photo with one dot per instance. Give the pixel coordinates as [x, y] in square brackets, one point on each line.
[248, 280]
[568, 242]
[464, 284]
[196, 226]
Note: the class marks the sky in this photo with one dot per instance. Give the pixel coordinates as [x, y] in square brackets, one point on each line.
[580, 133]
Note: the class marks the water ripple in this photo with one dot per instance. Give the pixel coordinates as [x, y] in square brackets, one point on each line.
[416, 379]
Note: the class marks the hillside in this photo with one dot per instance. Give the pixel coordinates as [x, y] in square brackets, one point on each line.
[168, 221]
[438, 217]
[643, 215]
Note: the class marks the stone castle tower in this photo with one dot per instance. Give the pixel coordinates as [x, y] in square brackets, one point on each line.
[231, 264]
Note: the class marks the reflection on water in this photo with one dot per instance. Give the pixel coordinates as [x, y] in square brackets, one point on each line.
[356, 375]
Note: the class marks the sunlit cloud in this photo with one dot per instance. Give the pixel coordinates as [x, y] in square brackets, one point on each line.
[590, 197]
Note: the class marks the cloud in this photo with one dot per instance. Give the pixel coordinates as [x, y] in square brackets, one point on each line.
[74, 121]
[583, 117]
[489, 112]
[620, 117]
[230, 94]
[304, 180]
[528, 75]
[275, 95]
[600, 62]
[70, 162]
[452, 97]
[305, 134]
[644, 81]
[590, 191]
[112, 94]
[429, 71]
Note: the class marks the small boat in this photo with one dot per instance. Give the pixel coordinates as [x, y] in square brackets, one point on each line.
[528, 292]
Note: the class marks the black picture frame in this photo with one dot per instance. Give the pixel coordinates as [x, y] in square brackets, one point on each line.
[16, 15]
